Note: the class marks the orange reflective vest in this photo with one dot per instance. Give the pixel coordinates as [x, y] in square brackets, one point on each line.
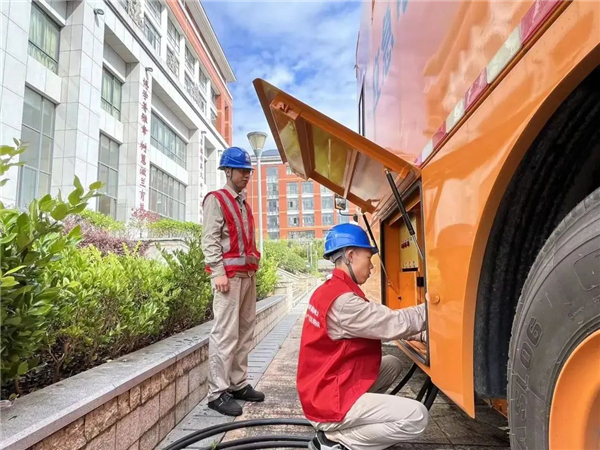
[332, 375]
[242, 256]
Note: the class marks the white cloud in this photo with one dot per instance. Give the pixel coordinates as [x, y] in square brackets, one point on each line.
[306, 48]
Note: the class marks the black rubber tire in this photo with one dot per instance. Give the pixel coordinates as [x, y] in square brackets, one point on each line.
[559, 307]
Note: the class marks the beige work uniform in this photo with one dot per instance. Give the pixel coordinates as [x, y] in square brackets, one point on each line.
[376, 421]
[234, 311]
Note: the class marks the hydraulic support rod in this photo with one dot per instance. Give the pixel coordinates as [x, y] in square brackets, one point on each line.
[400, 204]
[389, 281]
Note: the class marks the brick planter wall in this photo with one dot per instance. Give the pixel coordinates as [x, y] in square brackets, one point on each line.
[128, 404]
[141, 417]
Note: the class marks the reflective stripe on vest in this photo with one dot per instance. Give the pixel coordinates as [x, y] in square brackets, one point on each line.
[229, 209]
[242, 255]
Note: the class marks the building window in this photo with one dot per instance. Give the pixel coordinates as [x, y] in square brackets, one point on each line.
[327, 203]
[293, 221]
[155, 8]
[44, 36]
[343, 219]
[167, 195]
[292, 204]
[213, 118]
[272, 174]
[165, 139]
[214, 95]
[325, 191]
[173, 36]
[288, 170]
[327, 218]
[308, 220]
[274, 235]
[273, 223]
[292, 188]
[38, 132]
[203, 80]
[301, 235]
[307, 187]
[108, 174]
[272, 207]
[272, 190]
[152, 35]
[308, 204]
[173, 61]
[190, 60]
[111, 94]
[189, 84]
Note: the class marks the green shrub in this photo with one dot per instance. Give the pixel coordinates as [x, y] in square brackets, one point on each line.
[174, 228]
[108, 305]
[191, 301]
[283, 252]
[266, 278]
[31, 241]
[102, 221]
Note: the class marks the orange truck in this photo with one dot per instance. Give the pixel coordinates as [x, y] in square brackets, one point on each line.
[477, 165]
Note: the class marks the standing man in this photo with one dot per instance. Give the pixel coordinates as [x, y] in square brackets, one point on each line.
[229, 247]
[342, 376]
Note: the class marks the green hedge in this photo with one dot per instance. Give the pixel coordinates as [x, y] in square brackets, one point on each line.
[66, 308]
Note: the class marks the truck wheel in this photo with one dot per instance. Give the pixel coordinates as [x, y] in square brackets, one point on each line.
[554, 365]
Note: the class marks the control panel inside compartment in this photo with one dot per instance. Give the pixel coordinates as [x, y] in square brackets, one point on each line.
[403, 281]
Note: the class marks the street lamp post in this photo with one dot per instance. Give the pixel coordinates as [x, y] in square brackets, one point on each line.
[257, 142]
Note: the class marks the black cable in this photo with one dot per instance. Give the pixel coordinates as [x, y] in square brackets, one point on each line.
[257, 439]
[426, 386]
[404, 380]
[431, 396]
[216, 429]
[271, 444]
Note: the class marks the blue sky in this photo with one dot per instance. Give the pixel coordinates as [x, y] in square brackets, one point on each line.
[306, 48]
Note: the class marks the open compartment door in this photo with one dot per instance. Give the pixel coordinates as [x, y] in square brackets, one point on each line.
[317, 147]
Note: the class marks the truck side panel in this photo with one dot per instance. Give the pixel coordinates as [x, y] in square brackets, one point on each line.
[464, 182]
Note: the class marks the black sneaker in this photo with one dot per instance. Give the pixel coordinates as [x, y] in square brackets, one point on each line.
[249, 394]
[320, 442]
[226, 405]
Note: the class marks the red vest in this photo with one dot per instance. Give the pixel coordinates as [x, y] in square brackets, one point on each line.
[332, 375]
[243, 256]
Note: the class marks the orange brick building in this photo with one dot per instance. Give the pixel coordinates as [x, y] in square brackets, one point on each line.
[292, 208]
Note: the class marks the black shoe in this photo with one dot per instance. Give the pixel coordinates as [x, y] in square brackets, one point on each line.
[249, 394]
[320, 442]
[226, 405]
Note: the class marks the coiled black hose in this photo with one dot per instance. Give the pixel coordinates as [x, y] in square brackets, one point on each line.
[260, 439]
[216, 429]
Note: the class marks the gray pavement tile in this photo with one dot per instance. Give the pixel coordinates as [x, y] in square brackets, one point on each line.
[463, 430]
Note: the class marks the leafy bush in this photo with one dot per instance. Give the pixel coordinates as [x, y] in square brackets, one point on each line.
[100, 221]
[283, 252]
[266, 278]
[191, 301]
[174, 228]
[103, 239]
[108, 305]
[30, 242]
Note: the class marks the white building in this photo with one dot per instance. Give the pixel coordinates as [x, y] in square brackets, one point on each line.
[132, 93]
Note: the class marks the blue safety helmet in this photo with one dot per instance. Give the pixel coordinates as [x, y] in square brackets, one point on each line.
[236, 158]
[346, 235]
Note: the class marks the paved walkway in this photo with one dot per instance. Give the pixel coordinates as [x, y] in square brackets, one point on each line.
[272, 370]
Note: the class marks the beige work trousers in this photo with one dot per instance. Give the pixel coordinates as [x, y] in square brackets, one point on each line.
[231, 337]
[377, 420]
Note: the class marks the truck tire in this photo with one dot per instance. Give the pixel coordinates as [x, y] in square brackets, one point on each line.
[558, 312]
